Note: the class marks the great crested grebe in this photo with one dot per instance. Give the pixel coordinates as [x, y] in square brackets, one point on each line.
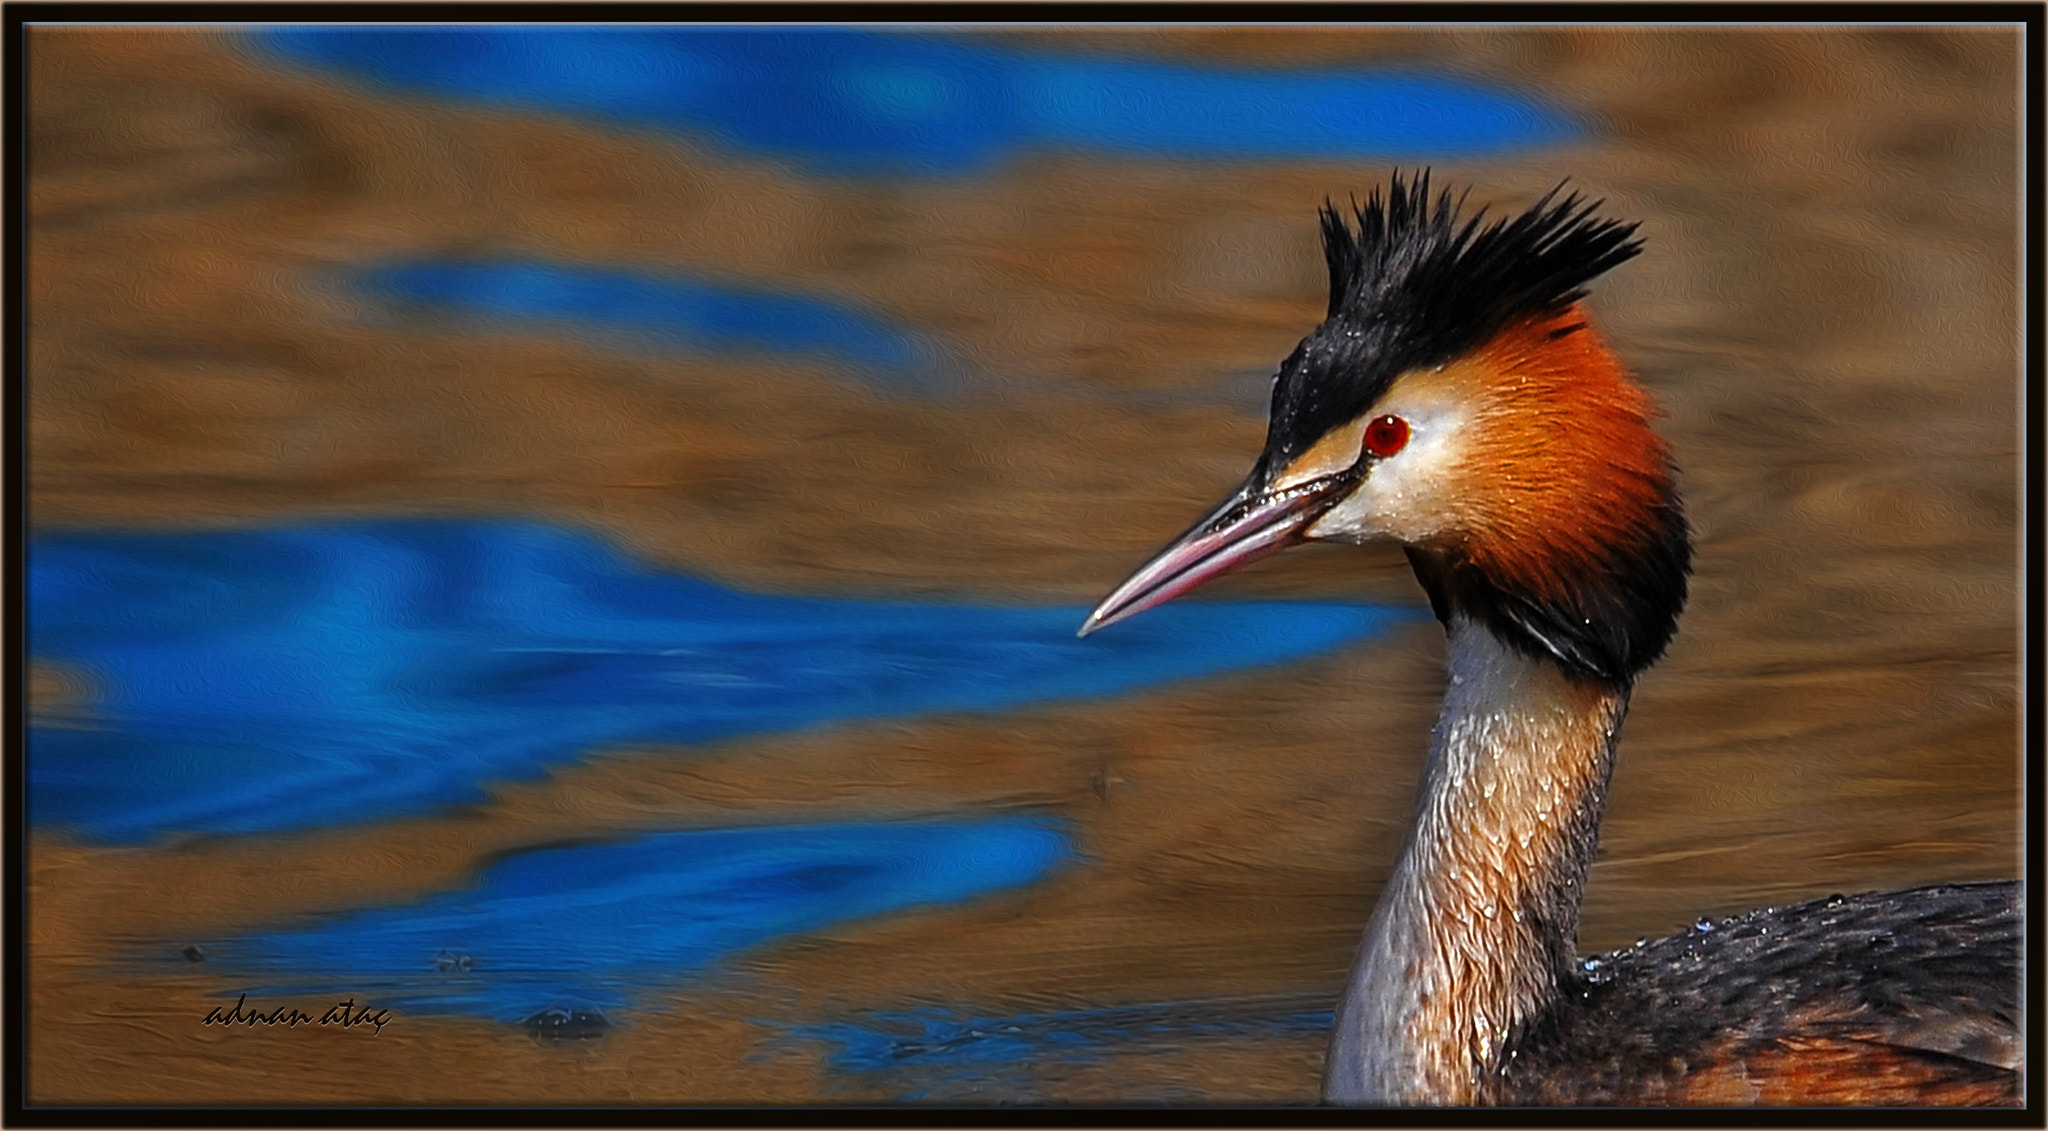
[1458, 401]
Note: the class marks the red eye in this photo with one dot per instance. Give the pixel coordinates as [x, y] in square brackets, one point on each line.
[1385, 436]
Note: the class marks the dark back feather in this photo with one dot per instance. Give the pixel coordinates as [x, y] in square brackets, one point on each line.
[1900, 997]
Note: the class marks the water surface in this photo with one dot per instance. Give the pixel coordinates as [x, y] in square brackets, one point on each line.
[294, 677]
[862, 102]
[597, 927]
[641, 308]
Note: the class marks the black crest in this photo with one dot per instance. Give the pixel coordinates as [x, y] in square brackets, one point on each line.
[1413, 287]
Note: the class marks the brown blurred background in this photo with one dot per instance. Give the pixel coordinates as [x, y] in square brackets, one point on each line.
[1826, 310]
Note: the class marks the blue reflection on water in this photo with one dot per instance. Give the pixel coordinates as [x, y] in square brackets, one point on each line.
[950, 1055]
[285, 678]
[865, 102]
[593, 927]
[666, 311]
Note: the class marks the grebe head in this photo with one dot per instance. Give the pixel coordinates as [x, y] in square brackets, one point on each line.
[1457, 400]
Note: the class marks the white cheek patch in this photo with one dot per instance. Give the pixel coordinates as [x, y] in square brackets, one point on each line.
[1405, 496]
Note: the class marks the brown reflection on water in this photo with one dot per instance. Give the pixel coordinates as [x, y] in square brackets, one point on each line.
[1826, 311]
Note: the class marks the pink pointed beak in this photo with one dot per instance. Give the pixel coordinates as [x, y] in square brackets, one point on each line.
[1248, 526]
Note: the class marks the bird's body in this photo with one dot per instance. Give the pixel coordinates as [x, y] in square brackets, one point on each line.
[1457, 400]
[1900, 997]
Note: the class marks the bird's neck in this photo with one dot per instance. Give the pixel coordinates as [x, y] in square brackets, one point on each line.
[1479, 922]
